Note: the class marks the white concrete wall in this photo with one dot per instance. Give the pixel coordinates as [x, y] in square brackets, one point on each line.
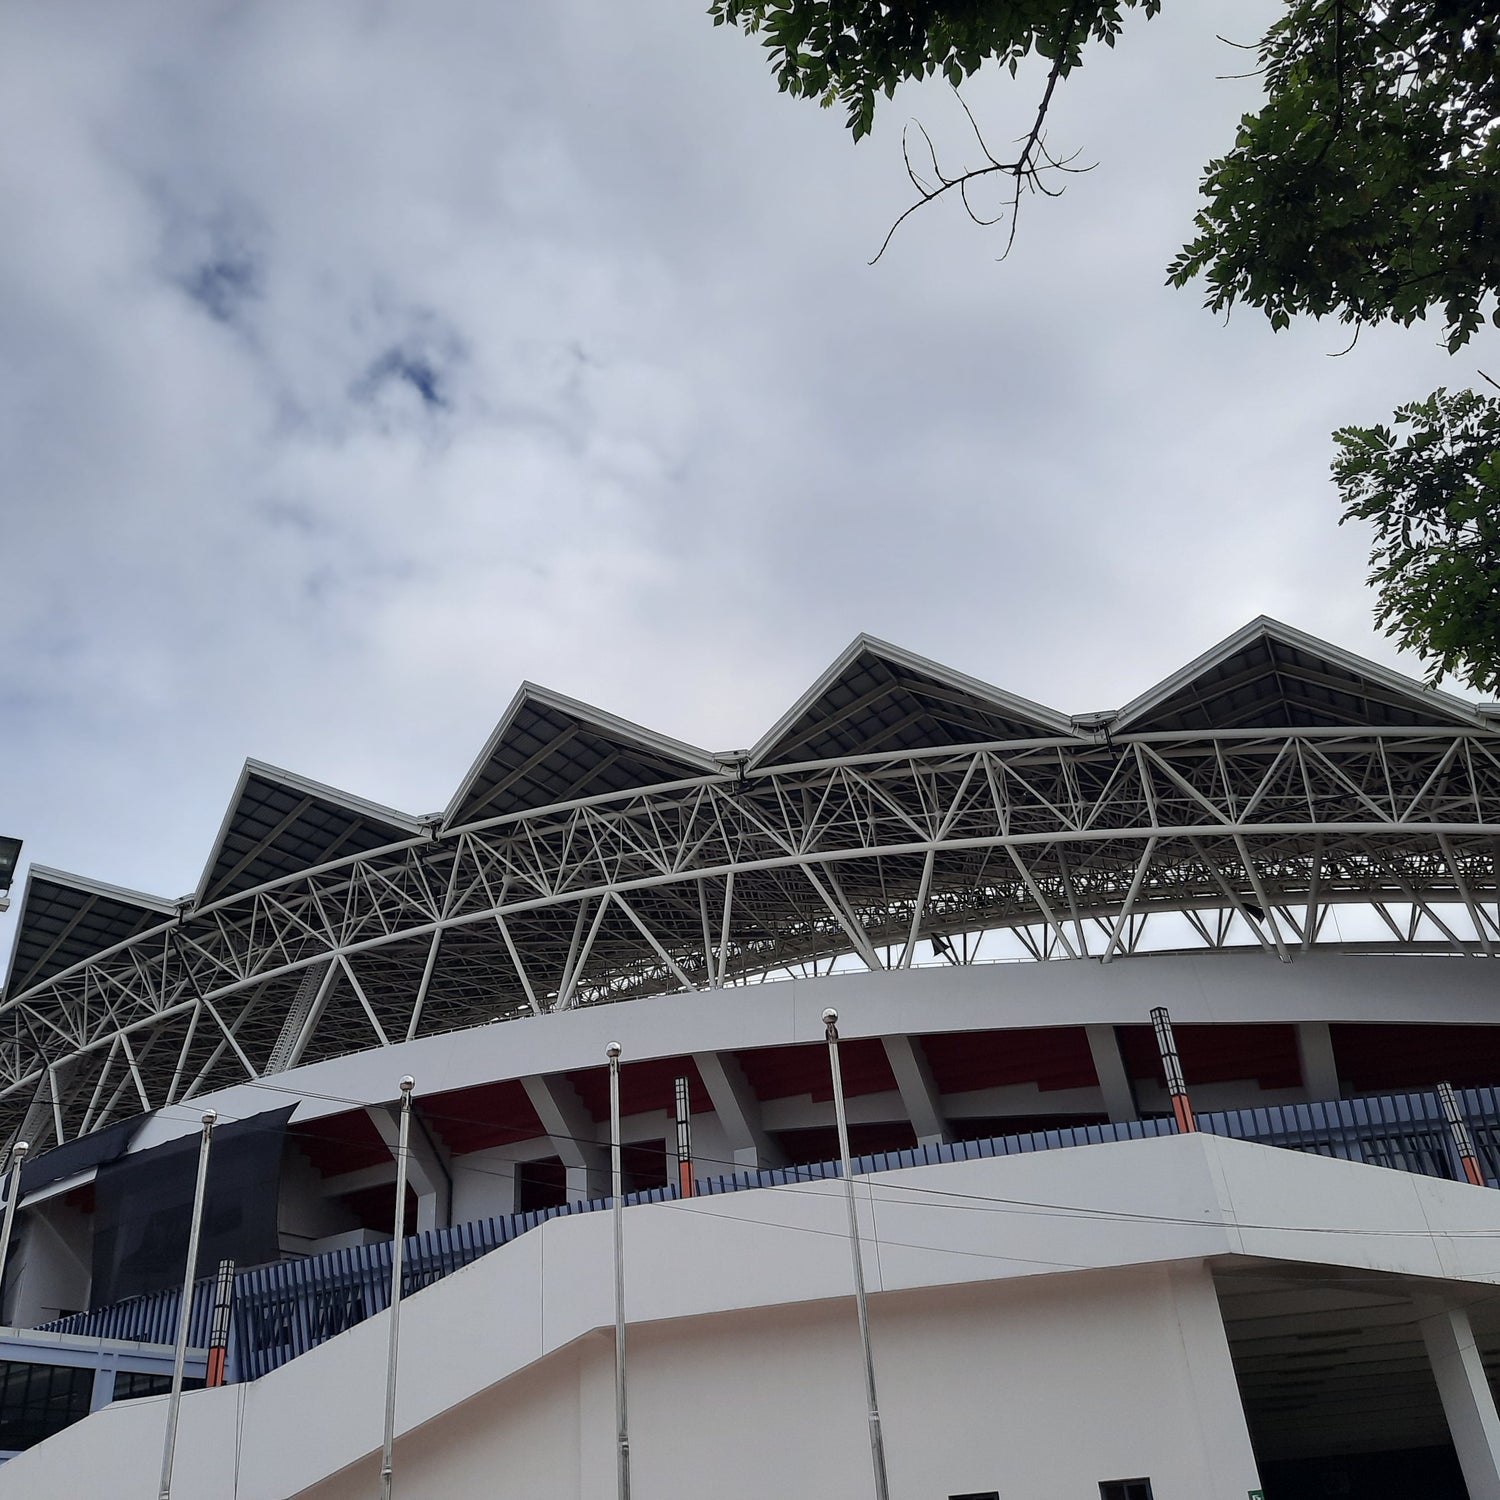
[1032, 1389]
[1211, 987]
[1045, 1226]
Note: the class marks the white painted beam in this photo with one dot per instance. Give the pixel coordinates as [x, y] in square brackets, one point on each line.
[738, 1110]
[427, 1166]
[573, 1133]
[1114, 1079]
[1320, 1074]
[919, 1093]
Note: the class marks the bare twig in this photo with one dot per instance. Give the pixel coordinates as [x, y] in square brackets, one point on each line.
[1025, 171]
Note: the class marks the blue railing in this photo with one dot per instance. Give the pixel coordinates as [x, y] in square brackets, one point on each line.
[285, 1309]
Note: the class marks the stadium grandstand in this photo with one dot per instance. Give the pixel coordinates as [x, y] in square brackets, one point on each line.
[1078, 1283]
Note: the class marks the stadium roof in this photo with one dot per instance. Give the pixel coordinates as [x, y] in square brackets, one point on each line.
[1269, 676]
[548, 748]
[877, 697]
[874, 698]
[68, 918]
[278, 823]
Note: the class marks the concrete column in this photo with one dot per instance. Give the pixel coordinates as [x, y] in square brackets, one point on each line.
[1114, 1081]
[738, 1110]
[426, 1166]
[573, 1133]
[1221, 1433]
[1467, 1400]
[1320, 1074]
[919, 1094]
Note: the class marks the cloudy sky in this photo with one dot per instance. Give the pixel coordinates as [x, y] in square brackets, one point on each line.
[359, 360]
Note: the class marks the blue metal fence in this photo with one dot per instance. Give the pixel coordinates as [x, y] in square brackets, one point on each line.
[285, 1309]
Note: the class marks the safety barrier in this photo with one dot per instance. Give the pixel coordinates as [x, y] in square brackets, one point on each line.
[284, 1309]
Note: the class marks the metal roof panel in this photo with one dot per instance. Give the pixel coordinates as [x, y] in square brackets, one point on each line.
[880, 697]
[67, 918]
[278, 823]
[549, 748]
[1269, 675]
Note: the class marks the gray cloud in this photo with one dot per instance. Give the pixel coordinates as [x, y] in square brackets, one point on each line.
[363, 360]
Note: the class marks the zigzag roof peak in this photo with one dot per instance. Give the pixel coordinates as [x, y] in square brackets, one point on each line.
[278, 823]
[1268, 675]
[550, 748]
[877, 697]
[67, 918]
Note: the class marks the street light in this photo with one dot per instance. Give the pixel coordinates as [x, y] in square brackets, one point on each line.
[10, 857]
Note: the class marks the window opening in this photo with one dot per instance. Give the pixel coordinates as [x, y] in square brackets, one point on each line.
[1125, 1489]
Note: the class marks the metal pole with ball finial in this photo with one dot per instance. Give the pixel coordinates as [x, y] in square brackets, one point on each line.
[185, 1308]
[393, 1344]
[18, 1157]
[616, 1175]
[877, 1443]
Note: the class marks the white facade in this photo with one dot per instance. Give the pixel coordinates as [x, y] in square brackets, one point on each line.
[1041, 1323]
[1291, 850]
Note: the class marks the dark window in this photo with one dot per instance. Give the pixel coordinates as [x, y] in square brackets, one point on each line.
[540, 1184]
[1124, 1489]
[38, 1400]
[978, 1495]
[130, 1383]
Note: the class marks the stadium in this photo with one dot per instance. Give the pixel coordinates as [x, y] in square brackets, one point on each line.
[1294, 851]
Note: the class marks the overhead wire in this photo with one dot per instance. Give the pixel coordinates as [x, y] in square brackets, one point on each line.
[973, 1202]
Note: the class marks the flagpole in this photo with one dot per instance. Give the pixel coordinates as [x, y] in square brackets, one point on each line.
[185, 1308]
[392, 1348]
[877, 1442]
[616, 1173]
[17, 1156]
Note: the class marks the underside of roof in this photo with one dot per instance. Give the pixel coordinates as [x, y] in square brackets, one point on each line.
[1270, 676]
[279, 823]
[68, 918]
[877, 698]
[549, 748]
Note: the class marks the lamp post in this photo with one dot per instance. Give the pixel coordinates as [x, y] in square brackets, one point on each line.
[10, 857]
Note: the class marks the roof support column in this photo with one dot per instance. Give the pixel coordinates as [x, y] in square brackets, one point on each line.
[738, 1110]
[573, 1134]
[1114, 1080]
[1468, 1403]
[919, 1093]
[1320, 1073]
[426, 1166]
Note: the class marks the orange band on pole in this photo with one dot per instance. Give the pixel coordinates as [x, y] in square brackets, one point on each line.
[1183, 1112]
[1472, 1172]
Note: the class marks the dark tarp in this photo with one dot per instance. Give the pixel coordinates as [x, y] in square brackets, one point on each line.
[73, 1157]
[144, 1204]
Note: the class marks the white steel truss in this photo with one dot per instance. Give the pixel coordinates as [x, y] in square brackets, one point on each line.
[1065, 847]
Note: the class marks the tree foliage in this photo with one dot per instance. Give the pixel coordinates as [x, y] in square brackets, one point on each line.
[1431, 489]
[1366, 188]
[1368, 185]
[852, 51]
